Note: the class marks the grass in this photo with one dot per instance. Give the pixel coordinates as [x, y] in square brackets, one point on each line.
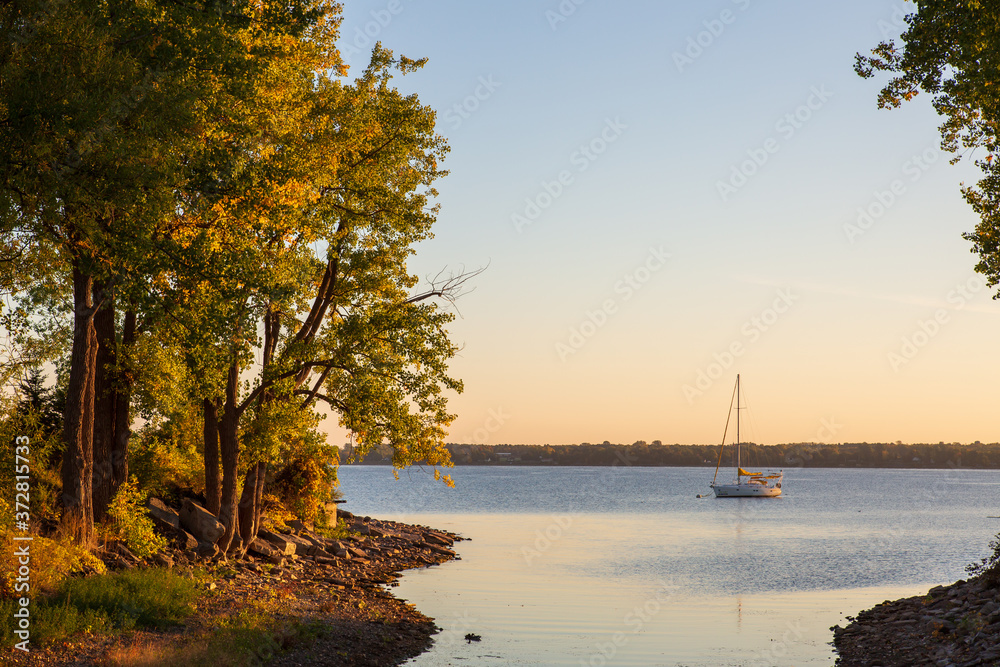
[246, 638]
[106, 604]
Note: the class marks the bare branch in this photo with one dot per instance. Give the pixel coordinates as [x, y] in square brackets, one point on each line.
[450, 287]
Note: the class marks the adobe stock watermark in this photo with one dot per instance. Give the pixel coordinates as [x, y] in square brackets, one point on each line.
[625, 289]
[562, 12]
[927, 329]
[462, 111]
[894, 26]
[22, 554]
[582, 158]
[365, 36]
[494, 422]
[697, 44]
[786, 127]
[750, 332]
[561, 523]
[635, 621]
[882, 200]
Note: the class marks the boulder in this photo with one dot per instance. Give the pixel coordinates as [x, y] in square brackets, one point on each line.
[282, 543]
[163, 560]
[264, 548]
[303, 546]
[438, 538]
[200, 522]
[356, 553]
[297, 526]
[183, 539]
[163, 517]
[207, 549]
[441, 550]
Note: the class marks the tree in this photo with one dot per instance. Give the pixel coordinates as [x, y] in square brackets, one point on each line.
[311, 301]
[107, 111]
[951, 50]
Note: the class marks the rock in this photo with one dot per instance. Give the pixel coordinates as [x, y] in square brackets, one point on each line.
[441, 550]
[200, 522]
[163, 517]
[163, 561]
[438, 539]
[282, 543]
[297, 526]
[290, 544]
[207, 549]
[183, 539]
[264, 548]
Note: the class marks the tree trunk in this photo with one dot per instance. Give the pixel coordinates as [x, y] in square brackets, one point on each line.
[123, 421]
[78, 425]
[213, 490]
[105, 402]
[250, 501]
[229, 449]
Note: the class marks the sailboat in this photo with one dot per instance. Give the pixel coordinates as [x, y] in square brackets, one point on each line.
[747, 484]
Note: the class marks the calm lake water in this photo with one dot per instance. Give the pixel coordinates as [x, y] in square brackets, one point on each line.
[626, 566]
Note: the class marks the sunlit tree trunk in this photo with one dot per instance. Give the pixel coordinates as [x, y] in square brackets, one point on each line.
[123, 407]
[105, 402]
[213, 491]
[250, 503]
[230, 455]
[78, 427]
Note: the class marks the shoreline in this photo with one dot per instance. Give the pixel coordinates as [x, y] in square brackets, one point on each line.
[352, 619]
[956, 625]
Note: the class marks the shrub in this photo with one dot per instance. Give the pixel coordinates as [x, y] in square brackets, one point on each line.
[131, 523]
[988, 568]
[109, 603]
[52, 561]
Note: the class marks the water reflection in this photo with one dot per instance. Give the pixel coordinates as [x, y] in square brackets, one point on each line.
[567, 566]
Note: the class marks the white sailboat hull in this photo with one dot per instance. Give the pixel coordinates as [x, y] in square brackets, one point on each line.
[745, 491]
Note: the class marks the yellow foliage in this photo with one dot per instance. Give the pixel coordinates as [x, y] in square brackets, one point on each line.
[51, 561]
[130, 522]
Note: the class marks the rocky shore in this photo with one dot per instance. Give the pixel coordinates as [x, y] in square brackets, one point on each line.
[338, 586]
[951, 626]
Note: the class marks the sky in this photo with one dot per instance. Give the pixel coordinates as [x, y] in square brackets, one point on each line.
[667, 194]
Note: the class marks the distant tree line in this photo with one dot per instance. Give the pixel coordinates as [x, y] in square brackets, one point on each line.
[792, 455]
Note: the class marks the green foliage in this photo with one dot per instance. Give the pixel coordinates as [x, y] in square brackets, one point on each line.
[145, 598]
[253, 209]
[334, 529]
[166, 458]
[20, 419]
[989, 567]
[131, 522]
[949, 50]
[306, 479]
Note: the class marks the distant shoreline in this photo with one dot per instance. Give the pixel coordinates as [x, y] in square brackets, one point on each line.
[941, 456]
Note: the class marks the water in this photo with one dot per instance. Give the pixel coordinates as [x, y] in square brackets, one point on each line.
[625, 566]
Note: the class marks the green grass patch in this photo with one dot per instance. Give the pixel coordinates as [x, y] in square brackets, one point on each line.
[250, 638]
[104, 604]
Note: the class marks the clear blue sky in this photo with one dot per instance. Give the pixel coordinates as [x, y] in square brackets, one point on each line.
[667, 192]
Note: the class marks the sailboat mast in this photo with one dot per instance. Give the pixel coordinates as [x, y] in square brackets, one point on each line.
[739, 463]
